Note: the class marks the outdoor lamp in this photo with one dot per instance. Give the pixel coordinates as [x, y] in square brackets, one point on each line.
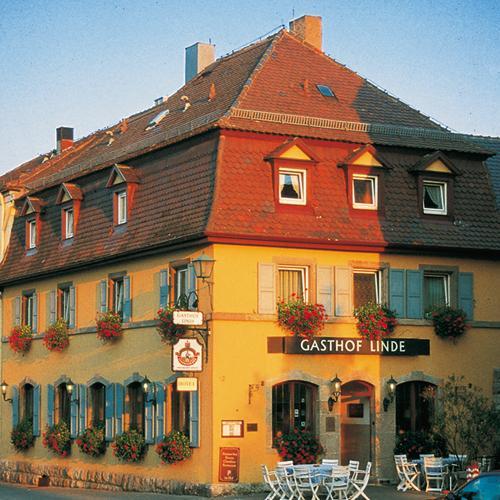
[146, 386]
[203, 266]
[391, 391]
[146, 383]
[4, 387]
[336, 384]
[70, 386]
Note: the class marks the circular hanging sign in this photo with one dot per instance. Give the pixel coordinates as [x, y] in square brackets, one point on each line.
[187, 355]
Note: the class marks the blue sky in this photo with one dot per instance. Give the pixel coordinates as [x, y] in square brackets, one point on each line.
[87, 64]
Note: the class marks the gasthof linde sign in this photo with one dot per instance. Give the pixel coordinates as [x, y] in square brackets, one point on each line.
[341, 345]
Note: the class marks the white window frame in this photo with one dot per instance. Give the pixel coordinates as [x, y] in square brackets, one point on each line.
[302, 176]
[378, 282]
[69, 231]
[118, 293]
[447, 284]
[178, 292]
[32, 233]
[121, 216]
[64, 308]
[304, 270]
[444, 195]
[374, 184]
[29, 310]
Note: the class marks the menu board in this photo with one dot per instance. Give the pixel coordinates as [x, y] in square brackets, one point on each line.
[229, 465]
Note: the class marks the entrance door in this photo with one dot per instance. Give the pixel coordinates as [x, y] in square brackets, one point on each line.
[355, 422]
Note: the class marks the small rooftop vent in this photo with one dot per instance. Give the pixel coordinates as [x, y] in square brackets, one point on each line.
[157, 119]
[161, 100]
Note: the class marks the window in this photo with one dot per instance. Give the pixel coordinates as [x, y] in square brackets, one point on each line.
[180, 411]
[414, 406]
[435, 197]
[117, 295]
[294, 406]
[134, 407]
[292, 186]
[325, 90]
[158, 118]
[68, 215]
[436, 290]
[63, 309]
[366, 287]
[97, 403]
[27, 402]
[28, 314]
[31, 235]
[364, 191]
[292, 281]
[121, 207]
[62, 410]
[181, 287]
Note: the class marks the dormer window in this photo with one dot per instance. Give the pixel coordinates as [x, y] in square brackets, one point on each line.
[292, 186]
[32, 210]
[69, 197]
[365, 191]
[121, 206]
[434, 197]
[69, 222]
[31, 235]
[123, 181]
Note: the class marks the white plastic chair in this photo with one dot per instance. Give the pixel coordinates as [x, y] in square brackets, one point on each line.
[305, 482]
[271, 479]
[286, 481]
[357, 486]
[408, 473]
[337, 483]
[353, 469]
[435, 472]
[330, 461]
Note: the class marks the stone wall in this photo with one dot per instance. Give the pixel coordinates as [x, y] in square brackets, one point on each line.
[28, 473]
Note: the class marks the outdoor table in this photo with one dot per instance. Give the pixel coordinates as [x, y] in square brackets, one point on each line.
[449, 463]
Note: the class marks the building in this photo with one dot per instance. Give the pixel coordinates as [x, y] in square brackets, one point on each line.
[295, 175]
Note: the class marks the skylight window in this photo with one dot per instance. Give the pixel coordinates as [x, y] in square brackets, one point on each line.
[157, 119]
[325, 90]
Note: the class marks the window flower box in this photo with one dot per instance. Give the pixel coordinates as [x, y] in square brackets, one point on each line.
[168, 331]
[300, 446]
[20, 338]
[109, 326]
[57, 439]
[56, 338]
[300, 318]
[375, 321]
[21, 436]
[91, 441]
[174, 447]
[449, 322]
[129, 446]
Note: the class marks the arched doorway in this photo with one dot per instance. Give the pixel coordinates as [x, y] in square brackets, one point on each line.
[356, 421]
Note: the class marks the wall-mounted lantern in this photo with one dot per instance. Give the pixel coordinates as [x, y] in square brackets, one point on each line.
[70, 387]
[336, 387]
[147, 385]
[203, 266]
[391, 392]
[4, 388]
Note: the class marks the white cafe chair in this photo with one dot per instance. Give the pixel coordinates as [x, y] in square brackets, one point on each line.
[408, 473]
[305, 482]
[272, 480]
[435, 472]
[357, 486]
[337, 483]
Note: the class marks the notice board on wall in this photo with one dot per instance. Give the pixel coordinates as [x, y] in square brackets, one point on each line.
[229, 465]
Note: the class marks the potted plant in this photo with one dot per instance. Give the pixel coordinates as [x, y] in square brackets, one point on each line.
[92, 441]
[109, 326]
[301, 446]
[21, 436]
[449, 323]
[56, 338]
[20, 338]
[300, 318]
[375, 321]
[57, 439]
[168, 331]
[129, 446]
[174, 447]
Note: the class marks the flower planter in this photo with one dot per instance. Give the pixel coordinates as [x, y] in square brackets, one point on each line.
[92, 442]
[375, 321]
[56, 338]
[168, 331]
[20, 338]
[109, 326]
[21, 436]
[174, 448]
[129, 446]
[300, 446]
[449, 322]
[300, 318]
[57, 439]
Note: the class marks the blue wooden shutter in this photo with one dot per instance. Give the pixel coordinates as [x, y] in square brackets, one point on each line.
[118, 388]
[466, 293]
[16, 311]
[194, 415]
[50, 405]
[397, 292]
[324, 285]
[52, 306]
[35, 313]
[267, 289]
[72, 307]
[414, 284]
[73, 431]
[36, 410]
[191, 291]
[127, 303]
[343, 301]
[83, 407]
[164, 288]
[109, 411]
[160, 411]
[103, 296]
[149, 415]
[15, 406]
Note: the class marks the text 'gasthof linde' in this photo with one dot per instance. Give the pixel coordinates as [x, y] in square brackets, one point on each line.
[353, 345]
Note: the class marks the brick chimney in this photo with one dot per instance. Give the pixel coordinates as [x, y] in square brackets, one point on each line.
[64, 138]
[309, 29]
[198, 57]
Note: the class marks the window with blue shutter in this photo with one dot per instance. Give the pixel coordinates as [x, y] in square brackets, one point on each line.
[50, 405]
[15, 406]
[160, 411]
[109, 411]
[127, 302]
[52, 307]
[34, 326]
[74, 412]
[164, 291]
[83, 407]
[103, 296]
[414, 284]
[397, 288]
[149, 426]
[118, 390]
[16, 311]
[72, 307]
[36, 410]
[194, 425]
[191, 291]
[466, 293]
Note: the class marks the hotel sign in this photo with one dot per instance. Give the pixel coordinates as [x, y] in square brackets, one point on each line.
[187, 355]
[341, 345]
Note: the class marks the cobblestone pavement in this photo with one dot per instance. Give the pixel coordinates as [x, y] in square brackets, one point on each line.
[14, 492]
